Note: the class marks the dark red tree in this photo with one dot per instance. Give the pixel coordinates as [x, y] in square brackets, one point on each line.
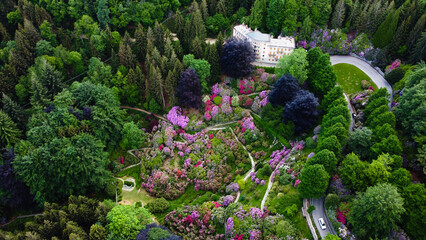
[302, 111]
[189, 89]
[284, 91]
[236, 59]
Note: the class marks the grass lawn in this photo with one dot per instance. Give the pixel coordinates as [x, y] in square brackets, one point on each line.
[252, 194]
[132, 197]
[350, 77]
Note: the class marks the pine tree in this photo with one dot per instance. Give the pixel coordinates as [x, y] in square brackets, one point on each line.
[41, 15]
[140, 43]
[204, 9]
[158, 37]
[385, 32]
[156, 84]
[419, 52]
[222, 8]
[397, 46]
[416, 32]
[39, 94]
[213, 58]
[170, 88]
[180, 25]
[194, 6]
[3, 33]
[126, 56]
[219, 44]
[198, 26]
[338, 15]
[289, 25]
[9, 133]
[212, 7]
[14, 110]
[197, 48]
[187, 36]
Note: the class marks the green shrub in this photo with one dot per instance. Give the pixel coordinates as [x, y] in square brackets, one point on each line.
[215, 197]
[217, 100]
[158, 206]
[285, 179]
[365, 84]
[311, 208]
[157, 234]
[332, 201]
[310, 143]
[395, 75]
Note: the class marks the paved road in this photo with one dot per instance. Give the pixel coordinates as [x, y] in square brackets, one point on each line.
[376, 77]
[319, 212]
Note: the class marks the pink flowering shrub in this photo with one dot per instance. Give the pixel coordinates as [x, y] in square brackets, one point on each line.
[246, 86]
[297, 182]
[395, 64]
[198, 226]
[176, 118]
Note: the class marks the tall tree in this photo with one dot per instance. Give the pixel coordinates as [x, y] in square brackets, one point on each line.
[419, 52]
[189, 89]
[326, 158]
[126, 56]
[236, 58]
[50, 78]
[320, 11]
[222, 7]
[386, 30]
[156, 84]
[9, 132]
[377, 212]
[353, 172]
[414, 218]
[213, 58]
[321, 75]
[416, 33]
[204, 9]
[306, 30]
[338, 15]
[290, 23]
[197, 26]
[14, 110]
[140, 43]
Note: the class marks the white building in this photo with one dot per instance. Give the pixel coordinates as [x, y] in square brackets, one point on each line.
[268, 49]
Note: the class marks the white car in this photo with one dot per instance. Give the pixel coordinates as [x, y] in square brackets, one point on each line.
[321, 223]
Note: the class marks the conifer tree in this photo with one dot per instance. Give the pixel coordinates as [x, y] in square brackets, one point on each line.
[140, 43]
[219, 44]
[197, 47]
[9, 132]
[222, 8]
[102, 12]
[180, 25]
[212, 7]
[158, 37]
[419, 52]
[416, 32]
[386, 30]
[156, 84]
[198, 27]
[306, 30]
[126, 56]
[338, 15]
[258, 15]
[50, 78]
[213, 58]
[204, 10]
[276, 16]
[397, 46]
[14, 110]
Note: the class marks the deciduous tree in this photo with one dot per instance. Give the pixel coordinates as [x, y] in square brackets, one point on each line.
[295, 64]
[314, 181]
[236, 58]
[189, 89]
[286, 88]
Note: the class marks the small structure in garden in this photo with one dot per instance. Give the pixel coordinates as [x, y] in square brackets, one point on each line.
[267, 48]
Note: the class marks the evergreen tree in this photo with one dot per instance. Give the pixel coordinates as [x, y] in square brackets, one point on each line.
[126, 56]
[416, 33]
[14, 110]
[180, 26]
[397, 46]
[419, 52]
[338, 15]
[138, 78]
[222, 7]
[213, 58]
[46, 33]
[386, 30]
[219, 44]
[158, 37]
[197, 47]
[9, 132]
[236, 58]
[204, 10]
[50, 80]
[212, 7]
[156, 84]
[320, 11]
[321, 74]
[140, 43]
[197, 26]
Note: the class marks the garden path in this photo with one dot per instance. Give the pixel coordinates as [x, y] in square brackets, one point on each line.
[253, 165]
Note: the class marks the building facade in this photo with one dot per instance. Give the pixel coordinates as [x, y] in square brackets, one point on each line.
[267, 48]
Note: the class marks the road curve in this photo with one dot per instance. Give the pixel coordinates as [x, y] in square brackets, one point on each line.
[319, 212]
[375, 76]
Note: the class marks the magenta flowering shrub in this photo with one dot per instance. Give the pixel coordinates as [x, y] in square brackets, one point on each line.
[192, 222]
[247, 123]
[255, 234]
[246, 86]
[229, 227]
[395, 64]
[176, 118]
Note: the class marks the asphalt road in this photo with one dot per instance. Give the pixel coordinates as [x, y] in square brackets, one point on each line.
[319, 212]
[365, 67]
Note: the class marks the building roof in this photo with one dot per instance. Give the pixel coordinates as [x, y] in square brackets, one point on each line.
[258, 36]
